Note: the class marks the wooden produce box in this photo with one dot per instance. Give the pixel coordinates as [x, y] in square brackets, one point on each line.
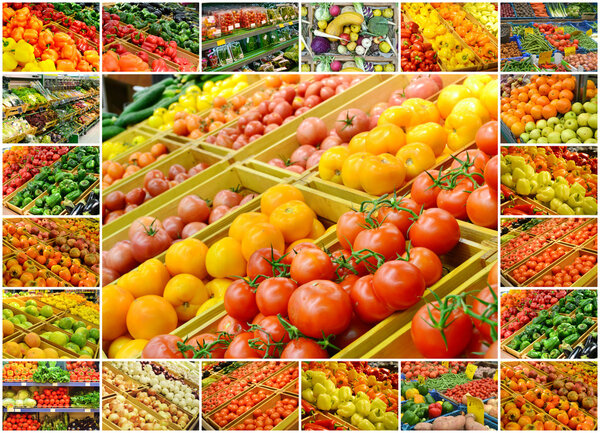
[132, 132]
[288, 423]
[318, 416]
[210, 416]
[134, 49]
[49, 327]
[136, 403]
[591, 244]
[44, 344]
[31, 319]
[590, 279]
[551, 247]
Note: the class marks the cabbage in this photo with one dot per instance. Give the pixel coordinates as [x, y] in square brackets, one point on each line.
[29, 402]
[22, 394]
[9, 394]
[19, 403]
[319, 45]
[8, 403]
[322, 12]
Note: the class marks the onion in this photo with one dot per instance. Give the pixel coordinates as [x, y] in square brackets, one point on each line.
[113, 417]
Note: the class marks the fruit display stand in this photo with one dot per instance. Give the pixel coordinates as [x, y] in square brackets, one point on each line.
[534, 180]
[539, 394]
[138, 387]
[546, 310]
[71, 401]
[226, 381]
[362, 38]
[447, 386]
[50, 321]
[357, 408]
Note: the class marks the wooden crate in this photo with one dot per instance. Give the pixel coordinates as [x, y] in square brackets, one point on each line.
[590, 279]
[553, 246]
[21, 300]
[288, 423]
[35, 321]
[49, 327]
[44, 344]
[209, 417]
[137, 404]
[318, 416]
[132, 132]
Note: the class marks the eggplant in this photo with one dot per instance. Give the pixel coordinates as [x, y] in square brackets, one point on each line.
[575, 354]
[77, 210]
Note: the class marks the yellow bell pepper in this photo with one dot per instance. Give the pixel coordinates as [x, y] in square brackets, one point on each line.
[47, 65]
[31, 67]
[24, 52]
[8, 44]
[9, 62]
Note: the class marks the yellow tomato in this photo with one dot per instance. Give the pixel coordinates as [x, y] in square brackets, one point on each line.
[208, 305]
[317, 230]
[358, 143]
[208, 85]
[330, 165]
[225, 259]
[450, 96]
[193, 90]
[394, 115]
[472, 106]
[243, 222]
[432, 134]
[188, 101]
[381, 174]
[462, 128]
[476, 82]
[262, 235]
[489, 98]
[117, 345]
[351, 169]
[185, 293]
[150, 278]
[421, 111]
[187, 257]
[330, 229]
[386, 138]
[417, 157]
[132, 349]
[278, 195]
[218, 286]
[294, 219]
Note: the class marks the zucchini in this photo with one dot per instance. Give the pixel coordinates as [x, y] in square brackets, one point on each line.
[144, 101]
[109, 121]
[107, 115]
[109, 132]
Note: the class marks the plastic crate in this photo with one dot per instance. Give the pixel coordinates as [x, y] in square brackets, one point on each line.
[517, 39]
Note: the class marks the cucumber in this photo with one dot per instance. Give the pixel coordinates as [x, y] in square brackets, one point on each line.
[141, 115]
[107, 115]
[109, 132]
[160, 84]
[109, 121]
[144, 101]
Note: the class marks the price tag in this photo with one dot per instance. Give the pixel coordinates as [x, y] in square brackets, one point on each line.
[55, 384]
[561, 29]
[570, 50]
[281, 26]
[529, 30]
[290, 23]
[589, 32]
[421, 379]
[87, 384]
[470, 370]
[445, 364]
[23, 383]
[16, 410]
[475, 406]
[87, 410]
[252, 25]
[220, 42]
[545, 57]
[496, 375]
[52, 410]
[237, 25]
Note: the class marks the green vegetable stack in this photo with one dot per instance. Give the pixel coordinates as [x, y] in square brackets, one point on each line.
[420, 405]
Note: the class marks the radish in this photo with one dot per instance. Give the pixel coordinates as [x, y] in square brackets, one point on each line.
[336, 66]
[334, 11]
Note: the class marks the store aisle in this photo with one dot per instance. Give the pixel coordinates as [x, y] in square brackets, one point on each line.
[92, 136]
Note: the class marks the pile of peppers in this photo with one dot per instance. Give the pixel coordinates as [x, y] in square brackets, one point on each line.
[416, 54]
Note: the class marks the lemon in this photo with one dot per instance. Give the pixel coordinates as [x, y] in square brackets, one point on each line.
[378, 68]
[138, 139]
[389, 67]
[322, 24]
[376, 12]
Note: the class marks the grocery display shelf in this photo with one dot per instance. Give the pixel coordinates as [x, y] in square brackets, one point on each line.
[242, 34]
[53, 410]
[254, 55]
[67, 384]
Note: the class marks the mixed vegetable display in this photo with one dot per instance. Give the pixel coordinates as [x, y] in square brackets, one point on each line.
[548, 180]
[49, 37]
[547, 395]
[343, 37]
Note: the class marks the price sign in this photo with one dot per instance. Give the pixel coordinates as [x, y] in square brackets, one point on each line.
[561, 29]
[589, 32]
[570, 50]
[52, 410]
[475, 406]
[252, 25]
[496, 375]
[290, 23]
[281, 26]
[23, 383]
[220, 42]
[529, 30]
[87, 384]
[87, 410]
[421, 379]
[545, 57]
[470, 370]
[445, 364]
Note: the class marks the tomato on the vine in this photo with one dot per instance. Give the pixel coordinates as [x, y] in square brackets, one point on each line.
[395, 214]
[486, 298]
[239, 348]
[482, 207]
[387, 240]
[491, 173]
[240, 301]
[164, 346]
[366, 304]
[435, 229]
[399, 284]
[273, 294]
[259, 263]
[454, 200]
[427, 262]
[311, 264]
[303, 348]
[270, 331]
[423, 190]
[349, 225]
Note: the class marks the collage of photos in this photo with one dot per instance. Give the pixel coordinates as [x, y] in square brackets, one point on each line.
[299, 216]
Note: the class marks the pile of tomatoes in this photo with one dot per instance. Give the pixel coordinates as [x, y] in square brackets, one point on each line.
[537, 263]
[20, 421]
[236, 408]
[566, 275]
[269, 418]
[580, 236]
[431, 369]
[283, 378]
[213, 400]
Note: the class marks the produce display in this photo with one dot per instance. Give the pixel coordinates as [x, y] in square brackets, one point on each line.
[50, 395]
[146, 37]
[52, 180]
[150, 395]
[247, 37]
[549, 395]
[556, 252]
[260, 395]
[349, 396]
[56, 109]
[57, 252]
[449, 36]
[50, 37]
[549, 324]
[549, 37]
[548, 180]
[50, 324]
[545, 109]
[435, 395]
[350, 37]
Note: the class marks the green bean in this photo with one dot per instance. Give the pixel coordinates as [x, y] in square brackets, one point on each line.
[584, 40]
[446, 381]
[524, 65]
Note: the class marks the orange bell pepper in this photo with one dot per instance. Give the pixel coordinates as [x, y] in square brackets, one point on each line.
[84, 66]
[34, 23]
[30, 36]
[50, 54]
[7, 14]
[45, 39]
[65, 65]
[17, 33]
[61, 39]
[37, 51]
[110, 62]
[68, 52]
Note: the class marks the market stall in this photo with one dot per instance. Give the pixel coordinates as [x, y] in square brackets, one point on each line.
[150, 37]
[449, 37]
[548, 37]
[150, 395]
[247, 37]
[350, 395]
[50, 395]
[50, 37]
[530, 247]
[350, 37]
[538, 180]
[50, 109]
[549, 324]
[56, 252]
[449, 395]
[242, 395]
[549, 108]
[549, 395]
[244, 183]
[51, 324]
[51, 180]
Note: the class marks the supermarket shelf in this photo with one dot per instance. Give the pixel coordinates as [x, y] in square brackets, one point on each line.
[255, 55]
[242, 34]
[53, 410]
[67, 384]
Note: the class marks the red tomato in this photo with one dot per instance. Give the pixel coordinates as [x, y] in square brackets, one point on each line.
[435, 229]
[487, 138]
[269, 331]
[311, 264]
[367, 306]
[486, 305]
[303, 348]
[387, 240]
[240, 301]
[455, 200]
[422, 190]
[397, 215]
[351, 122]
[273, 295]
[482, 207]
[490, 173]
[427, 262]
[399, 284]
[349, 225]
[260, 261]
[206, 341]
[239, 348]
[165, 347]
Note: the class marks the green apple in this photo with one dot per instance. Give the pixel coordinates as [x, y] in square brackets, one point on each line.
[590, 141]
[576, 108]
[590, 107]
[593, 121]
[532, 141]
[554, 137]
[547, 130]
[529, 126]
[535, 134]
[553, 121]
[541, 124]
[559, 128]
[571, 124]
[585, 132]
[574, 140]
[582, 119]
[524, 137]
[567, 134]
[542, 140]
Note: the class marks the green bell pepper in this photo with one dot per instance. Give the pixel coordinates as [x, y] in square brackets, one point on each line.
[363, 406]
[410, 418]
